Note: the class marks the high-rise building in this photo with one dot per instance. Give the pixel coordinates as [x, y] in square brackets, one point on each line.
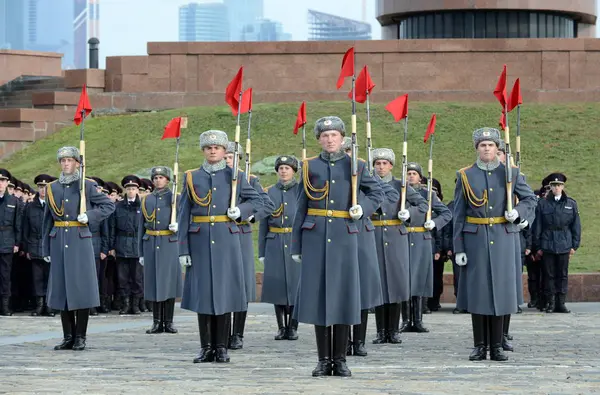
[13, 29]
[265, 30]
[203, 22]
[242, 13]
[86, 17]
[325, 27]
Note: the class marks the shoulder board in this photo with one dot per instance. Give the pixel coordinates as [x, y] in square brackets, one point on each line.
[515, 167]
[362, 160]
[253, 175]
[191, 170]
[465, 168]
[266, 189]
[90, 179]
[52, 182]
[312, 157]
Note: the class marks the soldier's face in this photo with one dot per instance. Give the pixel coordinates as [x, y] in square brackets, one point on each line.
[487, 150]
[132, 192]
[113, 197]
[18, 193]
[285, 172]
[42, 191]
[3, 186]
[68, 165]
[229, 159]
[331, 141]
[160, 181]
[383, 167]
[214, 153]
[413, 177]
[502, 156]
[557, 189]
[11, 190]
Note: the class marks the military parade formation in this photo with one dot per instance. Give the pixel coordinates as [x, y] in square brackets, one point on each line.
[338, 237]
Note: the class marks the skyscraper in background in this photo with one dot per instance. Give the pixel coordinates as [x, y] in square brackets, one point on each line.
[242, 13]
[264, 30]
[13, 29]
[86, 17]
[203, 22]
[323, 27]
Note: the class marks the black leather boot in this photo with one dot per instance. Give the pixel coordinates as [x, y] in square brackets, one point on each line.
[135, 305]
[550, 304]
[169, 312]
[47, 310]
[5, 306]
[157, 320]
[349, 344]
[479, 352]
[425, 306]
[67, 319]
[393, 329]
[149, 305]
[506, 345]
[323, 337]
[340, 343]
[102, 308]
[239, 322]
[142, 305]
[39, 306]
[207, 354]
[93, 311]
[380, 324]
[125, 305]
[219, 337]
[359, 333]
[417, 307]
[560, 305]
[292, 325]
[279, 316]
[81, 324]
[406, 316]
[496, 333]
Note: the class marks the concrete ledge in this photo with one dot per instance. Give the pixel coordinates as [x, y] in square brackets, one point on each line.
[93, 78]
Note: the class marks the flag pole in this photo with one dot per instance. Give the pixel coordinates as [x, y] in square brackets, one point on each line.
[369, 141]
[236, 164]
[430, 179]
[508, 163]
[518, 139]
[404, 165]
[304, 141]
[354, 162]
[248, 144]
[82, 202]
[182, 125]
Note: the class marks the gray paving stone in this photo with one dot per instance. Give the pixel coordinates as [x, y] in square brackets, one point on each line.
[555, 354]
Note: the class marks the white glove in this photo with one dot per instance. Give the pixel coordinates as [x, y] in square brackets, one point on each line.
[185, 260]
[142, 260]
[262, 260]
[461, 259]
[82, 218]
[297, 258]
[234, 213]
[356, 212]
[512, 216]
[174, 227]
[429, 225]
[523, 224]
[403, 215]
[47, 259]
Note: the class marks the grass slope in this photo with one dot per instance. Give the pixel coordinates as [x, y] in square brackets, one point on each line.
[554, 138]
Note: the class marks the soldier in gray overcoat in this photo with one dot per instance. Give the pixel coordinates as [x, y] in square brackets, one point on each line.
[421, 242]
[159, 250]
[325, 240]
[209, 244]
[281, 273]
[239, 317]
[392, 248]
[67, 245]
[484, 242]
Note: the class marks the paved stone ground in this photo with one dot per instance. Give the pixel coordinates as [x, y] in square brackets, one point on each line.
[555, 354]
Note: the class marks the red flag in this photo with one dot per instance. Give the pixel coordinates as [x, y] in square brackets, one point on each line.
[398, 107]
[347, 67]
[300, 118]
[500, 91]
[246, 102]
[173, 129]
[502, 121]
[515, 96]
[362, 85]
[430, 129]
[232, 93]
[83, 105]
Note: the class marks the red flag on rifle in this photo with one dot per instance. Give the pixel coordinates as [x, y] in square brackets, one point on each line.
[232, 93]
[347, 67]
[398, 107]
[500, 91]
[246, 102]
[300, 118]
[83, 105]
[515, 96]
[502, 121]
[173, 129]
[430, 129]
[363, 85]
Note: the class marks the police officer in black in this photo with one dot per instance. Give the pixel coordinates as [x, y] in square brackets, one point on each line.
[33, 217]
[125, 232]
[100, 241]
[10, 238]
[556, 237]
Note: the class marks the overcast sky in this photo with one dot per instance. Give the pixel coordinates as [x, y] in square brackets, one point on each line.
[127, 25]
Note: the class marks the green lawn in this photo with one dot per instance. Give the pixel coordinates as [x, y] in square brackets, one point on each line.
[554, 138]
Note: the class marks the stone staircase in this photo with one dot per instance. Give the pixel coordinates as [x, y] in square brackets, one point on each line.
[18, 92]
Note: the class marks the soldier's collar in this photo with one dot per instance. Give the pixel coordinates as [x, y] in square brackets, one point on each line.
[487, 166]
[70, 178]
[387, 178]
[160, 192]
[211, 168]
[334, 156]
[286, 185]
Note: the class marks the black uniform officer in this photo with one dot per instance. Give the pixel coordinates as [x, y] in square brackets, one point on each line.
[10, 238]
[557, 234]
[110, 281]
